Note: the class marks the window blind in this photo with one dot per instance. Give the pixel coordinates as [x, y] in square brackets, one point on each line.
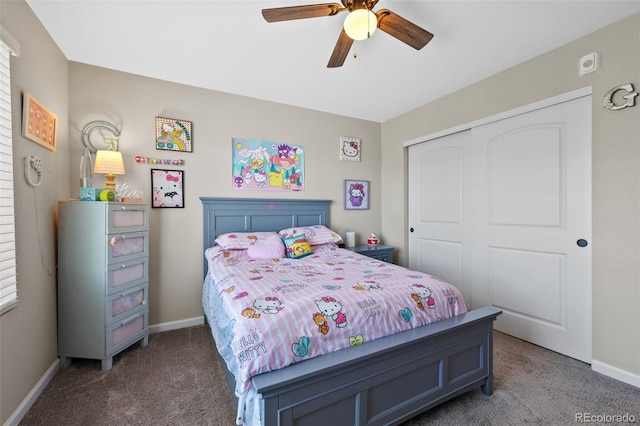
[8, 275]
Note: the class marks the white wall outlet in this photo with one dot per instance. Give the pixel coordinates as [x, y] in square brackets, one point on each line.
[589, 63]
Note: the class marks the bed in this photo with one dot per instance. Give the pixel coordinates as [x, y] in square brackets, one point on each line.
[382, 381]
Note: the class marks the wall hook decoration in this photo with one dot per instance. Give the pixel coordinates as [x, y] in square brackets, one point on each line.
[629, 97]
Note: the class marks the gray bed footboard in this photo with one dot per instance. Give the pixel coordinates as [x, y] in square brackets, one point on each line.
[385, 381]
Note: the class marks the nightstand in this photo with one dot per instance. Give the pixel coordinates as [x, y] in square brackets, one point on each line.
[380, 252]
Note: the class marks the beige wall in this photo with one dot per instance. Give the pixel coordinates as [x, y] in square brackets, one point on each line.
[616, 159]
[132, 102]
[28, 345]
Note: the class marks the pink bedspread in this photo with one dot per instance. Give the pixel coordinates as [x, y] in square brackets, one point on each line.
[287, 310]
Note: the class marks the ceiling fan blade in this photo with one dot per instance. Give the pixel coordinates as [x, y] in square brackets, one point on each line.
[341, 50]
[300, 12]
[405, 31]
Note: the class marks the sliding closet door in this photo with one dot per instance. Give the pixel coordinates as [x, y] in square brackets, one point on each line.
[440, 210]
[532, 233]
[503, 211]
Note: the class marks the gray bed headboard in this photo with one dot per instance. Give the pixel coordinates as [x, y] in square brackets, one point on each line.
[222, 215]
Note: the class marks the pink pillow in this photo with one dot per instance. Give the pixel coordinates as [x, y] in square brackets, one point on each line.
[242, 240]
[271, 248]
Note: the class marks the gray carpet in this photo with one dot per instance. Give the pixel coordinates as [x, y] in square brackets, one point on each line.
[177, 380]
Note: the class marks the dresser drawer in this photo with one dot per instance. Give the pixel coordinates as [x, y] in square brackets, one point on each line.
[123, 275]
[127, 218]
[123, 247]
[125, 332]
[125, 303]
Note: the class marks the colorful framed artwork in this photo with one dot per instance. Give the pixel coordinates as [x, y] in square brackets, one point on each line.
[267, 166]
[349, 149]
[173, 135]
[167, 187]
[356, 194]
[39, 123]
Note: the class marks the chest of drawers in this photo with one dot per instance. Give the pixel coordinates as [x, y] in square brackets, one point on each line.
[103, 279]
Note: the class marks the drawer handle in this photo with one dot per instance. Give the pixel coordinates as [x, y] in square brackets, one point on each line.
[113, 241]
[131, 265]
[130, 320]
[127, 293]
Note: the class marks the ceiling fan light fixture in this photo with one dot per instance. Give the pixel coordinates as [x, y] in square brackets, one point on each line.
[360, 24]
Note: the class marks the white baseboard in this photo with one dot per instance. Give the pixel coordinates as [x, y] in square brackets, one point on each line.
[174, 325]
[616, 373]
[31, 397]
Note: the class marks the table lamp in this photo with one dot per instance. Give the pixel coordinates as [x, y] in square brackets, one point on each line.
[110, 163]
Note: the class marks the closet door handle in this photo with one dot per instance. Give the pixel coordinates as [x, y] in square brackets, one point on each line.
[582, 243]
[411, 229]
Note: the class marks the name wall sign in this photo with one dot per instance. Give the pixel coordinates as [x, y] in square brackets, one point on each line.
[628, 98]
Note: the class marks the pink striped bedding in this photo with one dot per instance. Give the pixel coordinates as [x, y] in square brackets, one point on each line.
[285, 310]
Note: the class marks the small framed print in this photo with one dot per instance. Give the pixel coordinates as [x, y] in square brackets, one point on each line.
[349, 149]
[39, 123]
[173, 134]
[356, 194]
[167, 187]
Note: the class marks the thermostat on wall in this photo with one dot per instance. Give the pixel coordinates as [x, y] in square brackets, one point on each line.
[588, 63]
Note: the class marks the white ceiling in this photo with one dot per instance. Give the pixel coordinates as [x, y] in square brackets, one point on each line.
[227, 46]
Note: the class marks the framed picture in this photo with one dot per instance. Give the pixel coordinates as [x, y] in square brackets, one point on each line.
[39, 123]
[167, 187]
[267, 166]
[356, 194]
[173, 134]
[349, 149]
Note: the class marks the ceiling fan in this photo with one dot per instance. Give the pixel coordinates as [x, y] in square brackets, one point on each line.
[360, 23]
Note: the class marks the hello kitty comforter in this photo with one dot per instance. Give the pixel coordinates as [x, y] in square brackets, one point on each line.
[268, 314]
